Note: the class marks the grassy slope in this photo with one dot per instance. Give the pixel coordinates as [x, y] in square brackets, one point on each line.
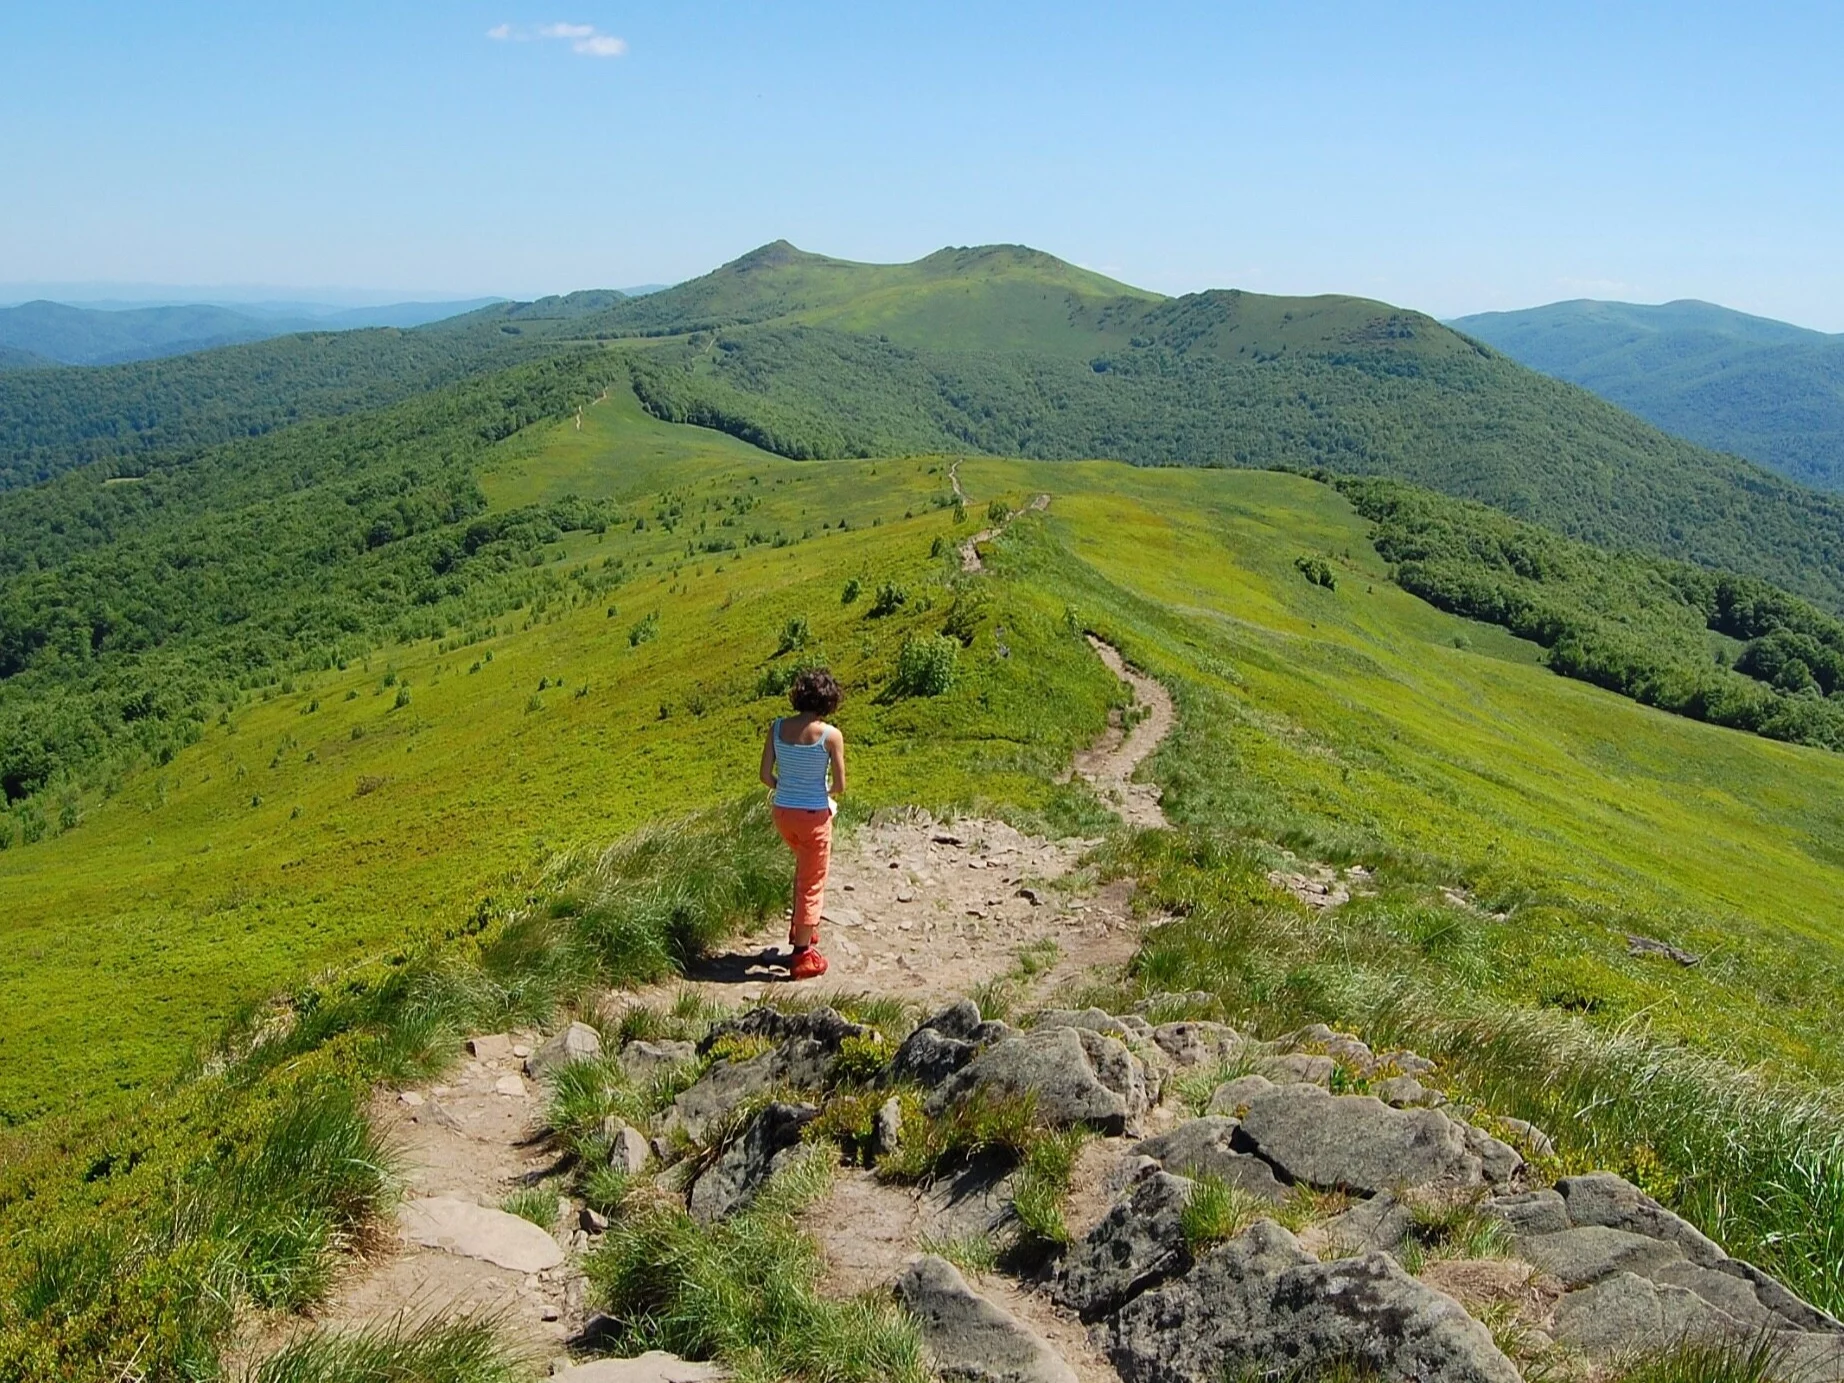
[1759, 388]
[1347, 721]
[126, 940]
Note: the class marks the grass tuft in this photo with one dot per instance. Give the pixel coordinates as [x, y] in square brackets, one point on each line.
[467, 1351]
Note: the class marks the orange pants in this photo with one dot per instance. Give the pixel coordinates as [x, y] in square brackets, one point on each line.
[809, 835]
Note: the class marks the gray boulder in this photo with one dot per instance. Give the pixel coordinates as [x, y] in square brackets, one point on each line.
[928, 1057]
[1139, 1243]
[1588, 1253]
[822, 1025]
[1531, 1212]
[1355, 1142]
[642, 1060]
[1601, 1198]
[628, 1150]
[1205, 1147]
[970, 1338]
[1499, 1162]
[1261, 1304]
[1403, 1090]
[1232, 1096]
[1304, 1067]
[1381, 1223]
[1075, 1076]
[1626, 1313]
[1197, 1042]
[743, 1168]
[1094, 1019]
[801, 1064]
[578, 1042]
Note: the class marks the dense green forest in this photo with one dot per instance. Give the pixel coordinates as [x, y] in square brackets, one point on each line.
[132, 611]
[54, 419]
[1762, 389]
[1731, 650]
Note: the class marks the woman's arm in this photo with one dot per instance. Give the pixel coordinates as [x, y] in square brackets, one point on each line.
[835, 750]
[768, 756]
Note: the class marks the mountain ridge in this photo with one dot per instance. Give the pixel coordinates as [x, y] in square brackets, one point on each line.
[1768, 391]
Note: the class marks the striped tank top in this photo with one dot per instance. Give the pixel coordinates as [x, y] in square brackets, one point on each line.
[800, 772]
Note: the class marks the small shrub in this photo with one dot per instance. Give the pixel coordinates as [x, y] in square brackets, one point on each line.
[853, 588]
[939, 547]
[402, 700]
[1317, 571]
[890, 598]
[925, 665]
[998, 512]
[794, 635]
[437, 1351]
[644, 631]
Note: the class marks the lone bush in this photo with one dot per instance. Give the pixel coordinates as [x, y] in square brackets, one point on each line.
[890, 598]
[1317, 571]
[998, 511]
[793, 635]
[851, 592]
[645, 631]
[926, 665]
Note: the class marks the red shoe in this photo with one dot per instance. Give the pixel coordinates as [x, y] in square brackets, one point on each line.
[808, 965]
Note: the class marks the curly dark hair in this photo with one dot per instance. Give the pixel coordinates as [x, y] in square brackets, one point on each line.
[816, 692]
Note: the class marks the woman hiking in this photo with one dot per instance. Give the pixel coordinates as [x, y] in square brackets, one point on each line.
[795, 759]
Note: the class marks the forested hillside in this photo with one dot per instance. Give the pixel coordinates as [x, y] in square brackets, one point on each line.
[1762, 389]
[54, 419]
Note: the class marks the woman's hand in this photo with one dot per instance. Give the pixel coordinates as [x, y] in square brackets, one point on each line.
[768, 757]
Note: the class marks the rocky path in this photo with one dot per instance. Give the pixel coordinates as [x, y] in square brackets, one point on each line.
[919, 910]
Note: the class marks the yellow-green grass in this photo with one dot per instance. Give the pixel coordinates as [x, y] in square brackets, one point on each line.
[1349, 723]
[1346, 722]
[282, 844]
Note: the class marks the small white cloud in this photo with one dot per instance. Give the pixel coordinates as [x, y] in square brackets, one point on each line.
[582, 38]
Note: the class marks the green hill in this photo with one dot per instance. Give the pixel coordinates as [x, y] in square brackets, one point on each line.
[12, 358]
[1762, 389]
[88, 336]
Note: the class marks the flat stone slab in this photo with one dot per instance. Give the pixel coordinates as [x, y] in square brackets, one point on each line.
[473, 1231]
[1590, 1253]
[970, 1338]
[1354, 1142]
[655, 1366]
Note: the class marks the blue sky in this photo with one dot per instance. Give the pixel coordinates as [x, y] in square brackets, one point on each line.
[1453, 158]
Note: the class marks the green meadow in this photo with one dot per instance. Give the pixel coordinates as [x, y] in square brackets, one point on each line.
[431, 787]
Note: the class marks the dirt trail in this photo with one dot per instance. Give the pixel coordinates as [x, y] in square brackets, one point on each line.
[921, 910]
[970, 549]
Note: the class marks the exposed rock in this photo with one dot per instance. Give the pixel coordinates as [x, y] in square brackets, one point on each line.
[928, 1057]
[655, 1366]
[1233, 1096]
[1532, 1137]
[801, 1063]
[1076, 1077]
[1664, 950]
[628, 1149]
[1260, 1303]
[822, 1025]
[510, 1084]
[1298, 1066]
[1094, 1019]
[474, 1231]
[1531, 1212]
[1355, 1142]
[1204, 1147]
[967, 1336]
[1136, 1023]
[1407, 1062]
[1498, 1161]
[1402, 1091]
[741, 1170]
[1194, 1043]
[1775, 1298]
[591, 1221]
[1626, 1314]
[1351, 1051]
[887, 1131]
[578, 1042]
[1381, 1223]
[1584, 1255]
[643, 1060]
[1601, 1198]
[1138, 1244]
[495, 1046]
